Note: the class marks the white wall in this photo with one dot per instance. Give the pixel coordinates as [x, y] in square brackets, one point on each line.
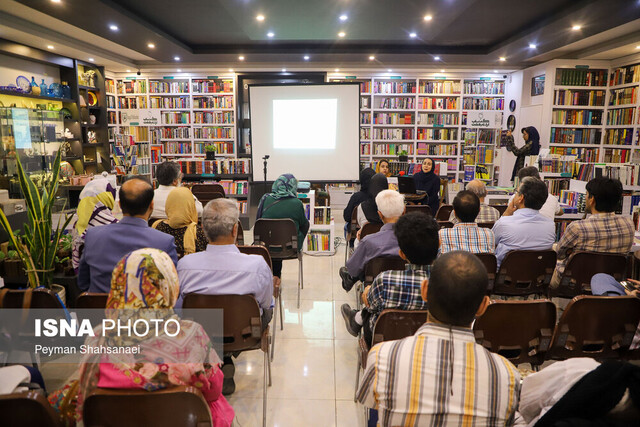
[11, 68]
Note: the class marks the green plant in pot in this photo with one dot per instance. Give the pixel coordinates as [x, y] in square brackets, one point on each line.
[210, 151]
[403, 156]
[39, 245]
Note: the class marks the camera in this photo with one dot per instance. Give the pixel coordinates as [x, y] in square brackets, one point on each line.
[138, 73]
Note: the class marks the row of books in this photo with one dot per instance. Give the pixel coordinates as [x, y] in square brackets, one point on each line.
[556, 185]
[582, 154]
[392, 149]
[171, 86]
[618, 136]
[484, 88]
[575, 136]
[365, 102]
[408, 168]
[174, 132]
[111, 101]
[487, 136]
[392, 134]
[322, 215]
[365, 87]
[365, 118]
[317, 241]
[365, 133]
[132, 86]
[439, 86]
[393, 118]
[112, 132]
[620, 116]
[628, 174]
[394, 87]
[221, 147]
[484, 154]
[243, 206]
[576, 117]
[561, 226]
[175, 118]
[438, 119]
[574, 77]
[177, 147]
[623, 96]
[438, 134]
[624, 75]
[437, 149]
[110, 85]
[616, 155]
[213, 132]
[593, 98]
[112, 118]
[213, 102]
[222, 166]
[132, 102]
[365, 149]
[139, 133]
[472, 172]
[439, 103]
[169, 102]
[211, 117]
[234, 187]
[398, 103]
[557, 164]
[573, 199]
[483, 103]
[212, 86]
[156, 154]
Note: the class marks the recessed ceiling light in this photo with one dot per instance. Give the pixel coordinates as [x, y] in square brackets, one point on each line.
[371, 58]
[55, 1]
[442, 71]
[151, 45]
[576, 27]
[241, 58]
[428, 17]
[231, 70]
[389, 70]
[502, 58]
[342, 34]
[437, 58]
[413, 35]
[270, 34]
[260, 18]
[113, 27]
[91, 59]
[337, 70]
[638, 47]
[176, 58]
[343, 17]
[128, 71]
[306, 57]
[495, 71]
[284, 70]
[179, 70]
[532, 46]
[50, 47]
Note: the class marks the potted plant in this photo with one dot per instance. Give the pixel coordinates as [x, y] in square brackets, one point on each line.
[13, 265]
[403, 156]
[210, 151]
[37, 250]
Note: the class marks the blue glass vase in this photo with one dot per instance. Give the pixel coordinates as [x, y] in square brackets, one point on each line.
[44, 89]
[35, 89]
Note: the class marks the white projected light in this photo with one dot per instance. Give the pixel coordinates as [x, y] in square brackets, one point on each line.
[293, 119]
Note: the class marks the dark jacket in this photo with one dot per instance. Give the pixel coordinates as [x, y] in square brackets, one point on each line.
[360, 196]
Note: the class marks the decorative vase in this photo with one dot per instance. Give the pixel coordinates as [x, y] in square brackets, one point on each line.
[92, 119]
[35, 89]
[66, 90]
[61, 292]
[211, 155]
[44, 89]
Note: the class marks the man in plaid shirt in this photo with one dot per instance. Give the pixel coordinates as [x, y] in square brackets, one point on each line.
[603, 231]
[465, 234]
[417, 236]
[487, 213]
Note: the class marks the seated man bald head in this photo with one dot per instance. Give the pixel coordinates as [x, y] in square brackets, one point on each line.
[136, 198]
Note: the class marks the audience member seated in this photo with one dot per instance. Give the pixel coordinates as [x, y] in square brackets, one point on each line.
[440, 375]
[383, 243]
[426, 180]
[603, 231]
[551, 207]
[383, 167]
[283, 203]
[97, 200]
[169, 177]
[487, 213]
[417, 236]
[358, 197]
[523, 227]
[105, 246]
[368, 210]
[465, 234]
[147, 279]
[182, 222]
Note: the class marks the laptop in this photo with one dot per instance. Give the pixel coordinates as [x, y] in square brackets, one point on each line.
[406, 185]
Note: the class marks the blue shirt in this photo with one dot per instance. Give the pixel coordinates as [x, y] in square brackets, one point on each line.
[382, 243]
[224, 270]
[526, 229]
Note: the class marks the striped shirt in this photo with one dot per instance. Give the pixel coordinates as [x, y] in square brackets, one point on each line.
[101, 215]
[423, 380]
[487, 214]
[603, 232]
[467, 236]
[397, 289]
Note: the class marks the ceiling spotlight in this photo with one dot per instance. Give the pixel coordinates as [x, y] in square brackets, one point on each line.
[442, 71]
[241, 58]
[306, 57]
[502, 59]
[436, 58]
[413, 35]
[428, 17]
[342, 34]
[113, 27]
[337, 70]
[389, 70]
[638, 47]
[179, 70]
[284, 70]
[270, 34]
[91, 59]
[176, 58]
[260, 18]
[50, 47]
[151, 45]
[55, 1]
[343, 17]
[495, 71]
[532, 46]
[231, 70]
[576, 27]
[371, 58]
[128, 71]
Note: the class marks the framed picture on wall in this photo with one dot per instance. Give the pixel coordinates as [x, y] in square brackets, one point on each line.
[537, 85]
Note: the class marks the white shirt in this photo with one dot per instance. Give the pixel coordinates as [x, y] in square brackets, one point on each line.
[550, 207]
[160, 199]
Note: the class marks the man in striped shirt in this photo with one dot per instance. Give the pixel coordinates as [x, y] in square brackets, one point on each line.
[487, 213]
[440, 376]
[465, 234]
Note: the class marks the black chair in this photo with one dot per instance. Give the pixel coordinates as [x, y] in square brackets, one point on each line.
[491, 264]
[444, 212]
[425, 209]
[92, 300]
[524, 273]
[582, 266]
[375, 266]
[207, 192]
[27, 409]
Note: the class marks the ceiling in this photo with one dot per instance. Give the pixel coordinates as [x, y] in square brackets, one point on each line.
[201, 33]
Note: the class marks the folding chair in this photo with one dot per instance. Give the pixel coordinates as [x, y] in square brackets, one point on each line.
[524, 273]
[444, 212]
[242, 329]
[425, 209]
[175, 406]
[375, 266]
[582, 266]
[280, 237]
[445, 224]
[240, 236]
[27, 409]
[518, 330]
[597, 327]
[92, 300]
[491, 264]
[207, 192]
[370, 228]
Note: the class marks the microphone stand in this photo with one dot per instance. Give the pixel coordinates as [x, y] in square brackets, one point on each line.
[264, 170]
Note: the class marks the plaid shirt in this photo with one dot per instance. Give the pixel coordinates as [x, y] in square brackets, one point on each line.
[397, 289]
[604, 232]
[487, 214]
[467, 236]
[439, 377]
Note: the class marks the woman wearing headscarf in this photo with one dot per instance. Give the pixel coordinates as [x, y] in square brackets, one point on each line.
[427, 181]
[383, 168]
[283, 203]
[145, 282]
[531, 147]
[97, 200]
[368, 210]
[182, 222]
[360, 196]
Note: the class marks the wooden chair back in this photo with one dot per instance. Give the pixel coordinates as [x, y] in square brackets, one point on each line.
[582, 266]
[377, 265]
[525, 273]
[279, 236]
[256, 250]
[370, 228]
[92, 300]
[444, 212]
[425, 209]
[27, 409]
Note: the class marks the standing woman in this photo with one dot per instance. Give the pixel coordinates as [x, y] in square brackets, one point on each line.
[283, 203]
[427, 181]
[531, 147]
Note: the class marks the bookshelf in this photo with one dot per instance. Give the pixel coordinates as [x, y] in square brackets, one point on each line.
[320, 238]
